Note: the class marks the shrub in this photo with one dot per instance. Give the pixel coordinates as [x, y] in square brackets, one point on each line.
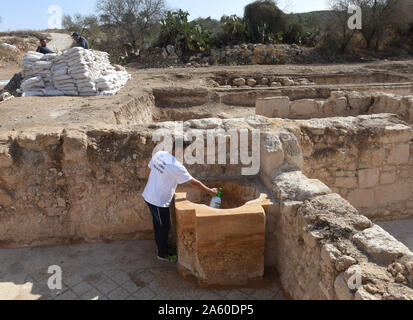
[186, 36]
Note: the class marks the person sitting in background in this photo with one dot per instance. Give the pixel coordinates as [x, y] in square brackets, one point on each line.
[43, 47]
[81, 42]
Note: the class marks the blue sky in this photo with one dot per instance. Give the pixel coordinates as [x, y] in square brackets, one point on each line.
[29, 14]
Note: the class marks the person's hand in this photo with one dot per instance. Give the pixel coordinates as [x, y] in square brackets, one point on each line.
[213, 192]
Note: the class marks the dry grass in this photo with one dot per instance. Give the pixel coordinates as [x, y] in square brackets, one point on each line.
[25, 34]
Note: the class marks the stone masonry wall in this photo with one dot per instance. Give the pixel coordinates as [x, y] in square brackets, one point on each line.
[339, 104]
[65, 185]
[369, 163]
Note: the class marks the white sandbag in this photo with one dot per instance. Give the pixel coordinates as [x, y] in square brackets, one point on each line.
[86, 89]
[49, 56]
[70, 93]
[73, 50]
[61, 71]
[79, 76]
[79, 68]
[33, 93]
[62, 77]
[67, 87]
[53, 92]
[32, 82]
[32, 56]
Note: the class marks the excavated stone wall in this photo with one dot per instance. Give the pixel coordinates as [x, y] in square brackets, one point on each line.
[84, 185]
[367, 160]
[339, 104]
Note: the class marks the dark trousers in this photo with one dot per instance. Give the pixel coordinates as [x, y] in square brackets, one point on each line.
[161, 225]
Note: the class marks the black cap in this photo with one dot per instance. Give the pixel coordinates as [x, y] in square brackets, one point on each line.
[75, 34]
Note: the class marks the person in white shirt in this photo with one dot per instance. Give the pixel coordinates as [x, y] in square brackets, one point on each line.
[163, 174]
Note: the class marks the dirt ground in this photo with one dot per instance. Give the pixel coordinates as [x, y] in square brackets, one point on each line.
[20, 113]
[7, 70]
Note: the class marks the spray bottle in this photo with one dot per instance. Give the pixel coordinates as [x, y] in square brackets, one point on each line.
[217, 200]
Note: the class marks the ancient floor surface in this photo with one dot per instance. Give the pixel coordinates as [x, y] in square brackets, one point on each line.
[402, 230]
[117, 271]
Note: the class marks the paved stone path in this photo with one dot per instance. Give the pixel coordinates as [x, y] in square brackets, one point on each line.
[402, 230]
[117, 271]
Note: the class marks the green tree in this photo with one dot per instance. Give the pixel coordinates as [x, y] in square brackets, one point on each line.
[86, 25]
[264, 20]
[135, 18]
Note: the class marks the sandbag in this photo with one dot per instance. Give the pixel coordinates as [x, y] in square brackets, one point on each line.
[33, 93]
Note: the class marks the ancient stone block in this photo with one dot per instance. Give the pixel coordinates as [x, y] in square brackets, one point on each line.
[397, 133]
[304, 108]
[251, 82]
[399, 154]
[296, 186]
[359, 102]
[272, 154]
[222, 246]
[273, 107]
[346, 182]
[382, 247]
[388, 175]
[368, 177]
[239, 82]
[361, 198]
[392, 192]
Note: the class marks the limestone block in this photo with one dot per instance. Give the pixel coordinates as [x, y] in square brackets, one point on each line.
[358, 102]
[286, 81]
[278, 107]
[239, 82]
[368, 177]
[385, 103]
[251, 82]
[292, 150]
[393, 192]
[388, 175]
[304, 108]
[297, 187]
[382, 247]
[276, 84]
[361, 198]
[397, 133]
[272, 154]
[210, 123]
[221, 246]
[399, 154]
[346, 182]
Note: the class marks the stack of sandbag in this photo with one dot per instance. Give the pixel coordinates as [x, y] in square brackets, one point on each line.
[75, 72]
[33, 86]
[27, 62]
